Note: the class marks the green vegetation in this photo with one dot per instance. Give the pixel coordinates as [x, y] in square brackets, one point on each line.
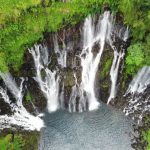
[135, 58]
[11, 9]
[20, 141]
[19, 33]
[8, 143]
[106, 69]
[137, 15]
[146, 137]
[22, 23]
[28, 97]
[31, 140]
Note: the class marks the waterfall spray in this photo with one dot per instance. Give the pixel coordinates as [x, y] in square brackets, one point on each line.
[49, 84]
[73, 97]
[136, 102]
[62, 58]
[20, 116]
[89, 63]
[118, 56]
[114, 73]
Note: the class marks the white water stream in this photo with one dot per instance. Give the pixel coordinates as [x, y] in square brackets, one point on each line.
[62, 54]
[114, 74]
[135, 92]
[20, 116]
[49, 84]
[92, 35]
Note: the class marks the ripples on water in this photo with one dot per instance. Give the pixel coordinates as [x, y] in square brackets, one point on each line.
[104, 129]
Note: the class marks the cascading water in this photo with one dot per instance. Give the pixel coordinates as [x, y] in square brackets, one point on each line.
[49, 84]
[118, 56]
[96, 34]
[68, 80]
[62, 54]
[75, 93]
[90, 63]
[12, 86]
[136, 94]
[20, 116]
[114, 73]
[88, 130]
[140, 82]
[83, 95]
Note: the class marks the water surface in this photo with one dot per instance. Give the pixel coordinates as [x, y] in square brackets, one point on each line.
[103, 129]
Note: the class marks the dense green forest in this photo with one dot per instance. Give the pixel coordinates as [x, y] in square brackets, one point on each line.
[23, 23]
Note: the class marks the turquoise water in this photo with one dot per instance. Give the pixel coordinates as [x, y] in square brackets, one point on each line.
[103, 129]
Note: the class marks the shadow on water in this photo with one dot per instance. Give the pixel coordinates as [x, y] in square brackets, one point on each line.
[103, 129]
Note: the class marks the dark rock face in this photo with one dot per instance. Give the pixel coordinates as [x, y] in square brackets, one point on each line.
[73, 40]
[4, 108]
[37, 96]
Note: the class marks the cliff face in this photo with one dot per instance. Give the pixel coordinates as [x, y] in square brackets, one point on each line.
[66, 45]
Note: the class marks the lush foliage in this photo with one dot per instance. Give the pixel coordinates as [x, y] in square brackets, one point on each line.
[11, 9]
[106, 68]
[6, 142]
[31, 140]
[20, 141]
[137, 15]
[135, 58]
[23, 23]
[20, 33]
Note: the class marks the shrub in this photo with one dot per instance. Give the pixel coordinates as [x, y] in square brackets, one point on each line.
[6, 142]
[135, 58]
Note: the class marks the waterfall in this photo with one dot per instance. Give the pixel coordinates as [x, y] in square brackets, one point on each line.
[62, 54]
[138, 99]
[74, 96]
[49, 83]
[20, 117]
[118, 56]
[62, 100]
[89, 63]
[140, 82]
[114, 74]
[82, 96]
[126, 34]
[12, 86]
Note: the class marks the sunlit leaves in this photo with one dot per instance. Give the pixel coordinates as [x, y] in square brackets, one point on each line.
[128, 9]
[6, 142]
[135, 58]
[11, 9]
[28, 20]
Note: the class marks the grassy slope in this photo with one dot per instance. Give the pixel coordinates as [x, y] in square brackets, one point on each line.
[11, 9]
